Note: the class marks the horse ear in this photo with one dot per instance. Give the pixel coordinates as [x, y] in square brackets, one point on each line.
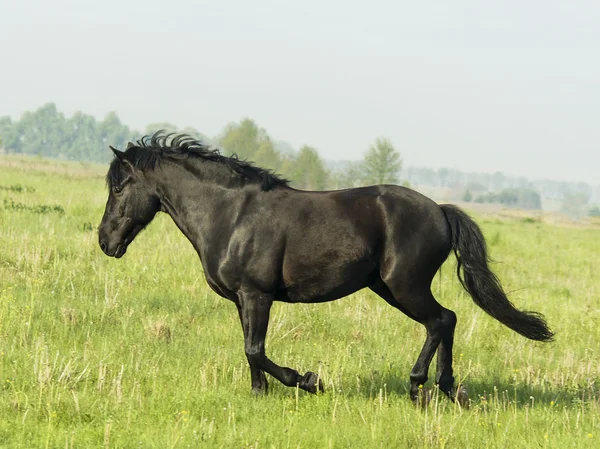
[121, 156]
[130, 144]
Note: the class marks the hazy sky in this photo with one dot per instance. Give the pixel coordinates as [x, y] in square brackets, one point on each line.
[510, 86]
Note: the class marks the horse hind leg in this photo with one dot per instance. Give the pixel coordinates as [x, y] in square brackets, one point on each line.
[420, 305]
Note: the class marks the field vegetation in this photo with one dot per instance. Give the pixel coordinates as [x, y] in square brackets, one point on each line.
[139, 352]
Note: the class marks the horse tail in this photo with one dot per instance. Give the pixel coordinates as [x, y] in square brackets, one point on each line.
[483, 285]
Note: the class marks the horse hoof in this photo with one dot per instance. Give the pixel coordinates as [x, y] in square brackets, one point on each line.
[311, 382]
[422, 398]
[462, 397]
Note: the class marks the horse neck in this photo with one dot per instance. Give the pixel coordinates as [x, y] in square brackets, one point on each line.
[194, 193]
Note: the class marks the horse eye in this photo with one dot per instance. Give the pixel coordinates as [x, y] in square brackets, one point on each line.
[117, 189]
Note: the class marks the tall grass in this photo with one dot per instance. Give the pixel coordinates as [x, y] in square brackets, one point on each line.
[138, 352]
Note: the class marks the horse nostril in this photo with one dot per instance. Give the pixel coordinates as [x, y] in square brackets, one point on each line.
[103, 246]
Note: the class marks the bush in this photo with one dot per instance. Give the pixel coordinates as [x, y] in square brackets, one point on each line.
[9, 204]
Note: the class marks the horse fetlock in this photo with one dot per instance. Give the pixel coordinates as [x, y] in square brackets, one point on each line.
[261, 390]
[260, 387]
[446, 385]
[417, 380]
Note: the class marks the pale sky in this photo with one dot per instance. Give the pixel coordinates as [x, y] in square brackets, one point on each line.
[511, 86]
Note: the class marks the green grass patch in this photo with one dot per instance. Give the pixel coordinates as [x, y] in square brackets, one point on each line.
[139, 352]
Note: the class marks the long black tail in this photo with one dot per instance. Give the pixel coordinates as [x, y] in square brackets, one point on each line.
[483, 285]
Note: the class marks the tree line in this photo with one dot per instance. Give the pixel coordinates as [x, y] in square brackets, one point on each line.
[48, 132]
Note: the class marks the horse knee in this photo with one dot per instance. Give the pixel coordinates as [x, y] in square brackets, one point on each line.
[255, 356]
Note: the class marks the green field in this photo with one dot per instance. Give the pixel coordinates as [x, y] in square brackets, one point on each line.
[139, 352]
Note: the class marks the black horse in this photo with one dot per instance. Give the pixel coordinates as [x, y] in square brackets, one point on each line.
[260, 241]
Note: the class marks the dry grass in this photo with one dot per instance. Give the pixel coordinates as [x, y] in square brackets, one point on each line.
[159, 330]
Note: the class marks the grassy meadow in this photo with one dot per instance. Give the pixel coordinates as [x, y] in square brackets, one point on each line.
[139, 352]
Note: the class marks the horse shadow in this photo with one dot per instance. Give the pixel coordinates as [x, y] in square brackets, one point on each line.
[481, 391]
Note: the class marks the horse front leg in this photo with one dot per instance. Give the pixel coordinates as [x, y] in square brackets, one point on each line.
[254, 310]
[259, 380]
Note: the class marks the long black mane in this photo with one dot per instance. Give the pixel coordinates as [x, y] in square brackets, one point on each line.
[146, 152]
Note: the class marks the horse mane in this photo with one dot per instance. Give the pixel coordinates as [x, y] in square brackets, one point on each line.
[146, 152]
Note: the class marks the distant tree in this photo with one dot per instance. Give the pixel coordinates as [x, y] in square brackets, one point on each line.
[242, 138]
[420, 175]
[574, 204]
[83, 139]
[475, 187]
[594, 211]
[497, 181]
[43, 132]
[112, 132]
[250, 142]
[468, 196]
[284, 149]
[381, 163]
[427, 176]
[193, 132]
[351, 176]
[47, 132]
[6, 131]
[529, 199]
[443, 176]
[307, 170]
[266, 156]
[157, 126]
[522, 198]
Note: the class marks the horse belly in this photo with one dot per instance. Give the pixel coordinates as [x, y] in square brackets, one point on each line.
[326, 283]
